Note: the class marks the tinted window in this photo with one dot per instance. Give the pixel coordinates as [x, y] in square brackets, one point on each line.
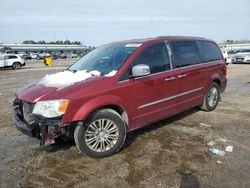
[185, 53]
[11, 57]
[155, 56]
[209, 51]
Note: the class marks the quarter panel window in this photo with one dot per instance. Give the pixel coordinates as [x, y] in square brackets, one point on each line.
[185, 53]
[209, 51]
[155, 56]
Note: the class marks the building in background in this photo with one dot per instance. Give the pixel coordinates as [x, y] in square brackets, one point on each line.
[45, 48]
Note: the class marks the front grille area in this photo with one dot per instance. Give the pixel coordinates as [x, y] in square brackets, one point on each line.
[24, 110]
[240, 59]
[27, 112]
[45, 129]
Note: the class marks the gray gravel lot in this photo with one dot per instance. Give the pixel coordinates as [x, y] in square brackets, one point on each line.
[170, 153]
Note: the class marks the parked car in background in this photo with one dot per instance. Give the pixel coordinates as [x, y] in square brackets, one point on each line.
[11, 60]
[120, 87]
[242, 56]
[73, 56]
[54, 56]
[41, 56]
[21, 54]
[26, 57]
[62, 56]
[33, 55]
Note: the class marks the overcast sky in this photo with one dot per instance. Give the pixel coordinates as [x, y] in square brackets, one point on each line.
[96, 22]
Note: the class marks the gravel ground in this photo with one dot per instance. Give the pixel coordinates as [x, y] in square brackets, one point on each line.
[170, 153]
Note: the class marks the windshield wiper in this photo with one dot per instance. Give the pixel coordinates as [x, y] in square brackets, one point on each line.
[71, 70]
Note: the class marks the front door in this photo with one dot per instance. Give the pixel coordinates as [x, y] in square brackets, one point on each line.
[149, 98]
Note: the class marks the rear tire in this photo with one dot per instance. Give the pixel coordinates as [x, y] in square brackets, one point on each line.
[211, 98]
[102, 135]
[16, 66]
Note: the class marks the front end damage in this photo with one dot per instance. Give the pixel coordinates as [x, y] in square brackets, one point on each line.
[47, 130]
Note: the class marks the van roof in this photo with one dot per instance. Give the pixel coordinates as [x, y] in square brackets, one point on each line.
[163, 38]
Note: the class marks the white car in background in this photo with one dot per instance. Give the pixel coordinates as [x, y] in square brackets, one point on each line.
[33, 55]
[11, 60]
[225, 55]
[242, 56]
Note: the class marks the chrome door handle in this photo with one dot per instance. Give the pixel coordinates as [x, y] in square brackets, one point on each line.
[182, 75]
[170, 78]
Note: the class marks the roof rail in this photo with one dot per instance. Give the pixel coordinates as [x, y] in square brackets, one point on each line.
[180, 36]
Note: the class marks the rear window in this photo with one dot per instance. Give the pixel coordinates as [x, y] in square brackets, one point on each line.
[185, 53]
[209, 51]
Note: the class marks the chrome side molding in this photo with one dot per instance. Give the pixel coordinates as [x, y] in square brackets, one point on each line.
[169, 98]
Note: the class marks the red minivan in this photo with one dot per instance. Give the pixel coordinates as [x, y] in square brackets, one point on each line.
[120, 87]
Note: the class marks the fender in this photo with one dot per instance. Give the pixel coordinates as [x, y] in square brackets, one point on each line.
[210, 80]
[87, 108]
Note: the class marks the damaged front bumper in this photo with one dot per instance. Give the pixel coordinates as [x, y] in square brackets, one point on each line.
[21, 126]
[47, 130]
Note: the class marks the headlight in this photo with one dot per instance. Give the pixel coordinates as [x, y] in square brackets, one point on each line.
[51, 108]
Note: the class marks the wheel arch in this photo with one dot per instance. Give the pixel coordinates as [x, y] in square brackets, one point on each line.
[213, 78]
[16, 62]
[119, 110]
[114, 107]
[217, 81]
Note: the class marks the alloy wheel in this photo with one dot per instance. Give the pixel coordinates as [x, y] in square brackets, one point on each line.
[16, 66]
[213, 96]
[101, 135]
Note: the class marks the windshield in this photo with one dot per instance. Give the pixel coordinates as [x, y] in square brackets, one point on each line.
[104, 59]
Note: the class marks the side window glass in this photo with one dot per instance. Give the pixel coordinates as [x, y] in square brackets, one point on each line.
[184, 53]
[155, 56]
[11, 57]
[209, 51]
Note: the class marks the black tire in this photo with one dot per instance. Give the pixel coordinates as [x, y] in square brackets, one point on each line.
[206, 106]
[16, 66]
[80, 135]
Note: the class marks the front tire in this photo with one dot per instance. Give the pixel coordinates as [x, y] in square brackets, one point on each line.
[211, 98]
[102, 135]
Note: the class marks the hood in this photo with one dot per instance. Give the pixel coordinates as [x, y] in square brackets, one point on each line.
[55, 86]
[34, 92]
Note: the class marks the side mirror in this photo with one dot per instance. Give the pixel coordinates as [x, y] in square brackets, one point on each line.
[140, 70]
